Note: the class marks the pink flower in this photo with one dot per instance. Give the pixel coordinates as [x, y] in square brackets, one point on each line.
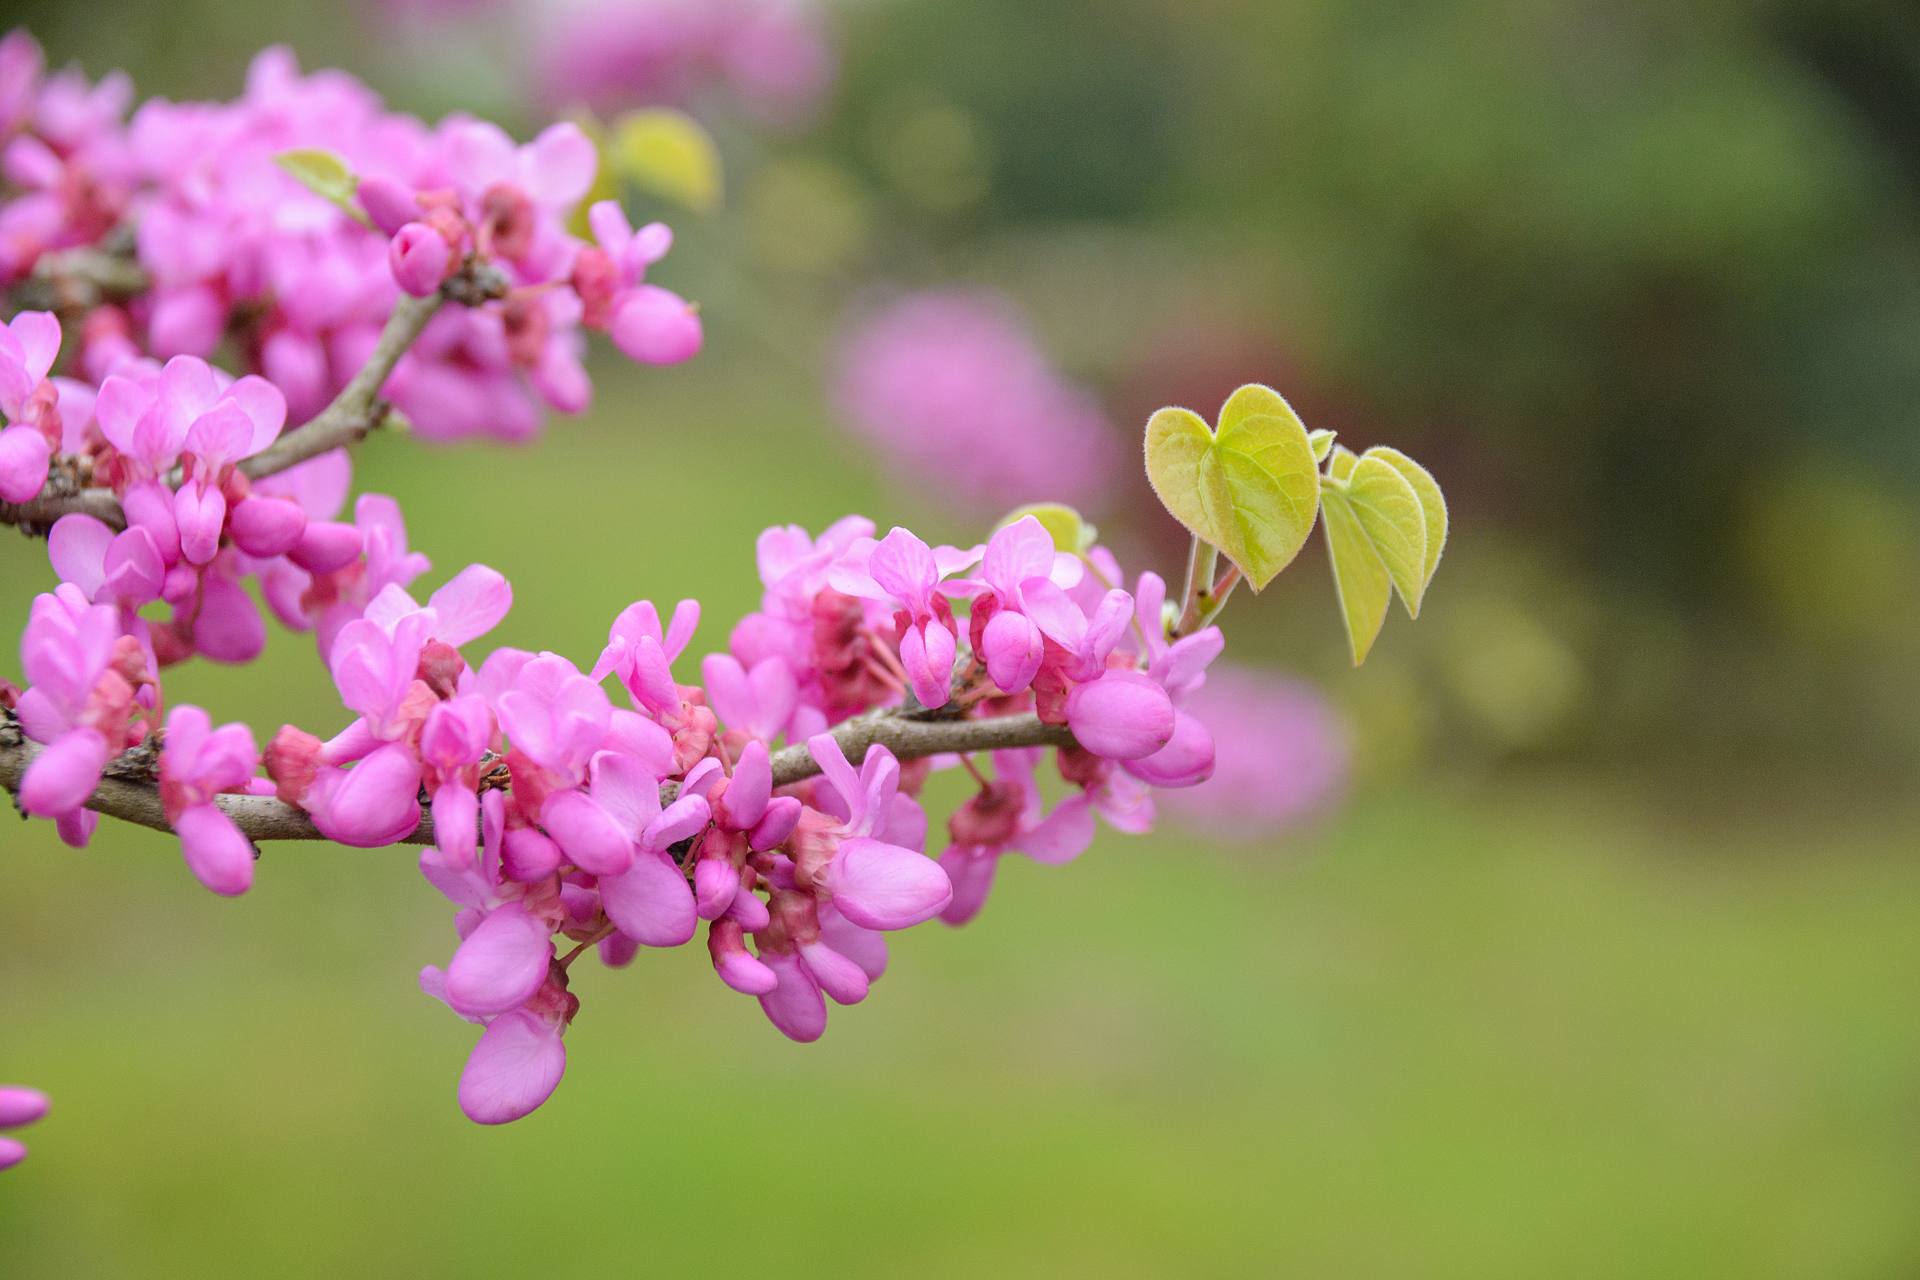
[76, 702]
[198, 762]
[902, 572]
[650, 324]
[1010, 643]
[873, 881]
[641, 655]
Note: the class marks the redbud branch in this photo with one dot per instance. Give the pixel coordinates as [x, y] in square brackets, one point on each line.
[135, 797]
[355, 412]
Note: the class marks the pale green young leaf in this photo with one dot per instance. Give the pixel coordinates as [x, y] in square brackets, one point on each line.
[327, 176]
[665, 153]
[1342, 462]
[1070, 531]
[1251, 489]
[1432, 505]
[1389, 510]
[1360, 577]
[1322, 442]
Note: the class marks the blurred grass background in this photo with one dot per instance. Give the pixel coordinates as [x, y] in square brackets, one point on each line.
[1605, 968]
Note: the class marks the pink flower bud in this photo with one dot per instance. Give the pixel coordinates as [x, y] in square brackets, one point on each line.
[267, 527]
[656, 326]
[219, 856]
[200, 510]
[326, 545]
[420, 257]
[11, 1153]
[1185, 761]
[1121, 716]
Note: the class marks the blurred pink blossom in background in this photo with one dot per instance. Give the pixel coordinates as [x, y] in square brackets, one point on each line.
[1281, 755]
[959, 400]
[774, 56]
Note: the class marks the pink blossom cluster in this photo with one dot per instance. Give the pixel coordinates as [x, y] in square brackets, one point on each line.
[19, 1106]
[557, 813]
[952, 391]
[239, 252]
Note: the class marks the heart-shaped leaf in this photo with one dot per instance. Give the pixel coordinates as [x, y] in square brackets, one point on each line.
[1432, 505]
[1389, 510]
[1322, 442]
[1359, 575]
[1250, 489]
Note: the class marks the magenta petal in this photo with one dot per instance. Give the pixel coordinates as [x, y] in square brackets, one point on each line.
[23, 463]
[1185, 761]
[218, 855]
[749, 912]
[839, 977]
[651, 902]
[200, 511]
[267, 527]
[326, 545]
[865, 947]
[20, 1106]
[749, 789]
[77, 547]
[884, 886]
[501, 964]
[228, 627]
[588, 834]
[12, 1152]
[1013, 648]
[781, 817]
[794, 1005]
[516, 1066]
[64, 775]
[527, 855]
[1121, 716]
[715, 882]
[655, 326]
[745, 974]
[971, 871]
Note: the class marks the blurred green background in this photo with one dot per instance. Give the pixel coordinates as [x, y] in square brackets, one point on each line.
[1606, 965]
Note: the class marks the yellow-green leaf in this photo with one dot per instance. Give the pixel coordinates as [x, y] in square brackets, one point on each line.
[1250, 489]
[1071, 532]
[1432, 505]
[326, 175]
[1389, 510]
[1322, 442]
[1360, 577]
[665, 153]
[1341, 467]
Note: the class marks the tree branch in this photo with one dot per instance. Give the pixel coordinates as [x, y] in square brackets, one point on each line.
[131, 799]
